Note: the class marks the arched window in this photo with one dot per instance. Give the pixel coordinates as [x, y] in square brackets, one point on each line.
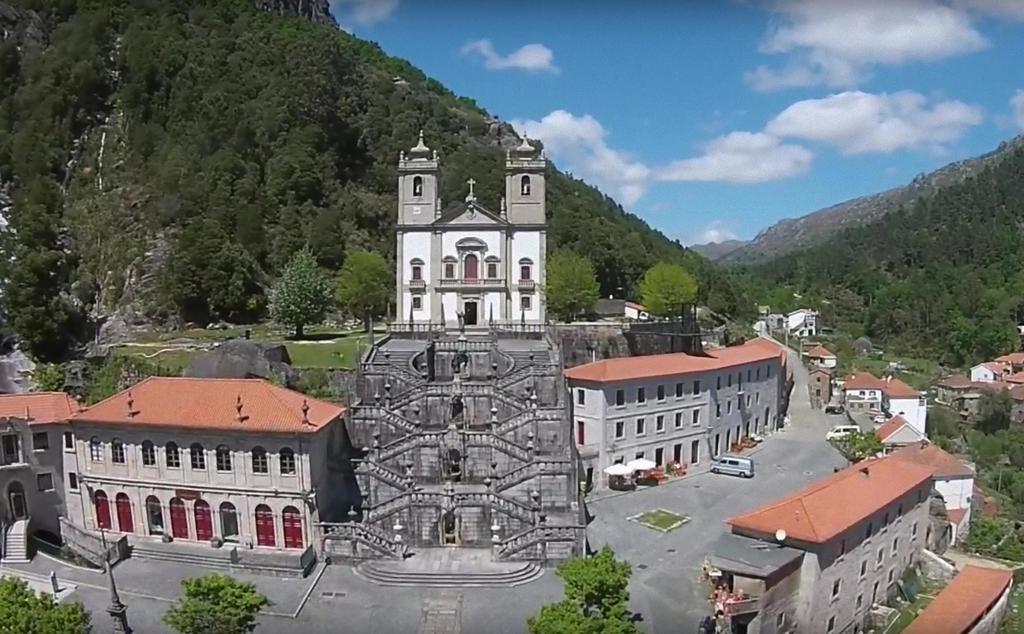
[259, 460]
[449, 267]
[524, 186]
[470, 269]
[526, 269]
[492, 267]
[203, 520]
[291, 519]
[287, 458]
[102, 509]
[95, 449]
[148, 454]
[228, 522]
[172, 455]
[117, 451]
[265, 526]
[125, 519]
[179, 519]
[417, 186]
[417, 269]
[198, 457]
[223, 458]
[154, 515]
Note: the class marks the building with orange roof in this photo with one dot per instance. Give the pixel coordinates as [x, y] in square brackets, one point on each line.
[897, 432]
[1015, 360]
[990, 371]
[953, 479]
[975, 602]
[899, 399]
[821, 356]
[32, 426]
[858, 530]
[674, 408]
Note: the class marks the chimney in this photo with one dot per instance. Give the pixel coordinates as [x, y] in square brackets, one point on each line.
[131, 403]
[305, 413]
[238, 409]
[28, 414]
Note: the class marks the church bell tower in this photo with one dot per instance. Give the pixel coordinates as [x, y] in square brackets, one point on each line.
[524, 184]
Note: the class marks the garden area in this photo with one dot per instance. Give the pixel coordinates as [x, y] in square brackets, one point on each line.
[660, 520]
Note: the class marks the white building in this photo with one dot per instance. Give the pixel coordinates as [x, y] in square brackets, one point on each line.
[673, 407]
[952, 478]
[899, 399]
[897, 432]
[803, 322]
[466, 260]
[821, 357]
[636, 312]
[989, 372]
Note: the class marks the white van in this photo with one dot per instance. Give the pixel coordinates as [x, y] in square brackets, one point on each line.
[733, 465]
[842, 431]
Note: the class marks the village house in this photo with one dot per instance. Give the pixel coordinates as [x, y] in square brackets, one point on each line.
[1015, 360]
[803, 322]
[817, 560]
[897, 432]
[676, 408]
[953, 480]
[821, 357]
[636, 312]
[990, 371]
[863, 392]
[975, 602]
[819, 383]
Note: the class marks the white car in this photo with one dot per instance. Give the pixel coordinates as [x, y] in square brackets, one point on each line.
[842, 431]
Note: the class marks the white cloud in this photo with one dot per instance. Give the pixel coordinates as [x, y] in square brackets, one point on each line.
[531, 57]
[1013, 9]
[741, 157]
[580, 142]
[716, 231]
[1017, 102]
[365, 12]
[858, 122]
[837, 42]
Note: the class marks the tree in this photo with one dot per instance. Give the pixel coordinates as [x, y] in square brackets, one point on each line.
[23, 610]
[216, 604]
[665, 288]
[571, 285]
[596, 598]
[49, 377]
[302, 295]
[364, 287]
[860, 446]
[994, 410]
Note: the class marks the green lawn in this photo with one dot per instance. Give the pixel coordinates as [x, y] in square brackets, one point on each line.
[909, 611]
[661, 520]
[173, 360]
[339, 352]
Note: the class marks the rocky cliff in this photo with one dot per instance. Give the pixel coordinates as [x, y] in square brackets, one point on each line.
[318, 11]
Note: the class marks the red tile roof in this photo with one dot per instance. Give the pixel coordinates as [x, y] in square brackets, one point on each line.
[832, 505]
[961, 604]
[1015, 378]
[956, 515]
[956, 381]
[863, 381]
[1015, 358]
[942, 464]
[895, 388]
[820, 352]
[767, 344]
[635, 306]
[659, 365]
[995, 366]
[891, 426]
[38, 408]
[212, 404]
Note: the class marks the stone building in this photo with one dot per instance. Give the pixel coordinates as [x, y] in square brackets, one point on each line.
[465, 262]
[817, 560]
[819, 384]
[679, 408]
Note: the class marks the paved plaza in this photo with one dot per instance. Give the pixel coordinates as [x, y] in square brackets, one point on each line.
[665, 588]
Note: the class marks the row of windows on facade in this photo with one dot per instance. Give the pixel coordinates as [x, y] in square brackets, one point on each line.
[524, 186]
[203, 521]
[659, 421]
[677, 454]
[525, 302]
[680, 388]
[471, 268]
[197, 455]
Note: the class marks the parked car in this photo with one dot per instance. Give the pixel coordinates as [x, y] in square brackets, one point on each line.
[733, 465]
[842, 431]
[834, 409]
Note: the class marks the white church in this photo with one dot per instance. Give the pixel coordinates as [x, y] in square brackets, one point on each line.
[466, 263]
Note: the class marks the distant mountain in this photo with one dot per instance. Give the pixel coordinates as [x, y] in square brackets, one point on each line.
[717, 250]
[796, 233]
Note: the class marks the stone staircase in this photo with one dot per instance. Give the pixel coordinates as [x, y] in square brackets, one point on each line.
[16, 543]
[370, 414]
[382, 473]
[229, 557]
[398, 574]
[530, 470]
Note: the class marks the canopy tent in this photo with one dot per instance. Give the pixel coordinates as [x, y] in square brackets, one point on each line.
[618, 469]
[641, 464]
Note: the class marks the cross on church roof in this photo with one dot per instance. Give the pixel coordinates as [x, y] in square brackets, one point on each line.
[470, 196]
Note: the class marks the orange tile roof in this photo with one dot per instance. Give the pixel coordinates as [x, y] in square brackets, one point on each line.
[895, 388]
[39, 408]
[212, 404]
[1016, 358]
[942, 464]
[863, 381]
[961, 604]
[1015, 378]
[955, 381]
[820, 352]
[956, 515]
[832, 505]
[768, 344]
[995, 366]
[659, 365]
[891, 426]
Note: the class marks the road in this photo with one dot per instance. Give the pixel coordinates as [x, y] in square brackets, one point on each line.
[665, 587]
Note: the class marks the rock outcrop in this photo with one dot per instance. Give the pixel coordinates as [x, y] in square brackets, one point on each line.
[318, 11]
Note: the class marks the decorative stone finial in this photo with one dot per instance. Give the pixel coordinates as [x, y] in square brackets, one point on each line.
[420, 147]
[238, 409]
[130, 403]
[471, 196]
[305, 413]
[525, 146]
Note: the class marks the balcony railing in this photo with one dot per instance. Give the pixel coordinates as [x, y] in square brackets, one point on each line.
[744, 606]
[526, 285]
[471, 281]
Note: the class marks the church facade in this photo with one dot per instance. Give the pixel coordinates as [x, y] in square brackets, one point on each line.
[465, 263]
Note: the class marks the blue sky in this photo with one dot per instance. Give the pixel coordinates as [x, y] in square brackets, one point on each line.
[715, 119]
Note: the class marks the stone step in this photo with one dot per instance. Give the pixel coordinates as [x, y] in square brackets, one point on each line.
[380, 574]
[213, 558]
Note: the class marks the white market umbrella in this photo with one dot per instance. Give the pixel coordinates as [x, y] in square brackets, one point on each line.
[618, 469]
[641, 464]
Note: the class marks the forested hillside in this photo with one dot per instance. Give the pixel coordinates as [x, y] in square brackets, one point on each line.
[943, 275]
[164, 159]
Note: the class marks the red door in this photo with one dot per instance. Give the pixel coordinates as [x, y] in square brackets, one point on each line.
[204, 522]
[471, 272]
[179, 520]
[125, 522]
[102, 510]
[292, 520]
[265, 526]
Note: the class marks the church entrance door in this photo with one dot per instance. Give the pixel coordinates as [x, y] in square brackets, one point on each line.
[471, 311]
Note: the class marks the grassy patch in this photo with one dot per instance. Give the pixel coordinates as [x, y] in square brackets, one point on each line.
[173, 360]
[1014, 623]
[341, 352]
[660, 520]
[909, 611]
